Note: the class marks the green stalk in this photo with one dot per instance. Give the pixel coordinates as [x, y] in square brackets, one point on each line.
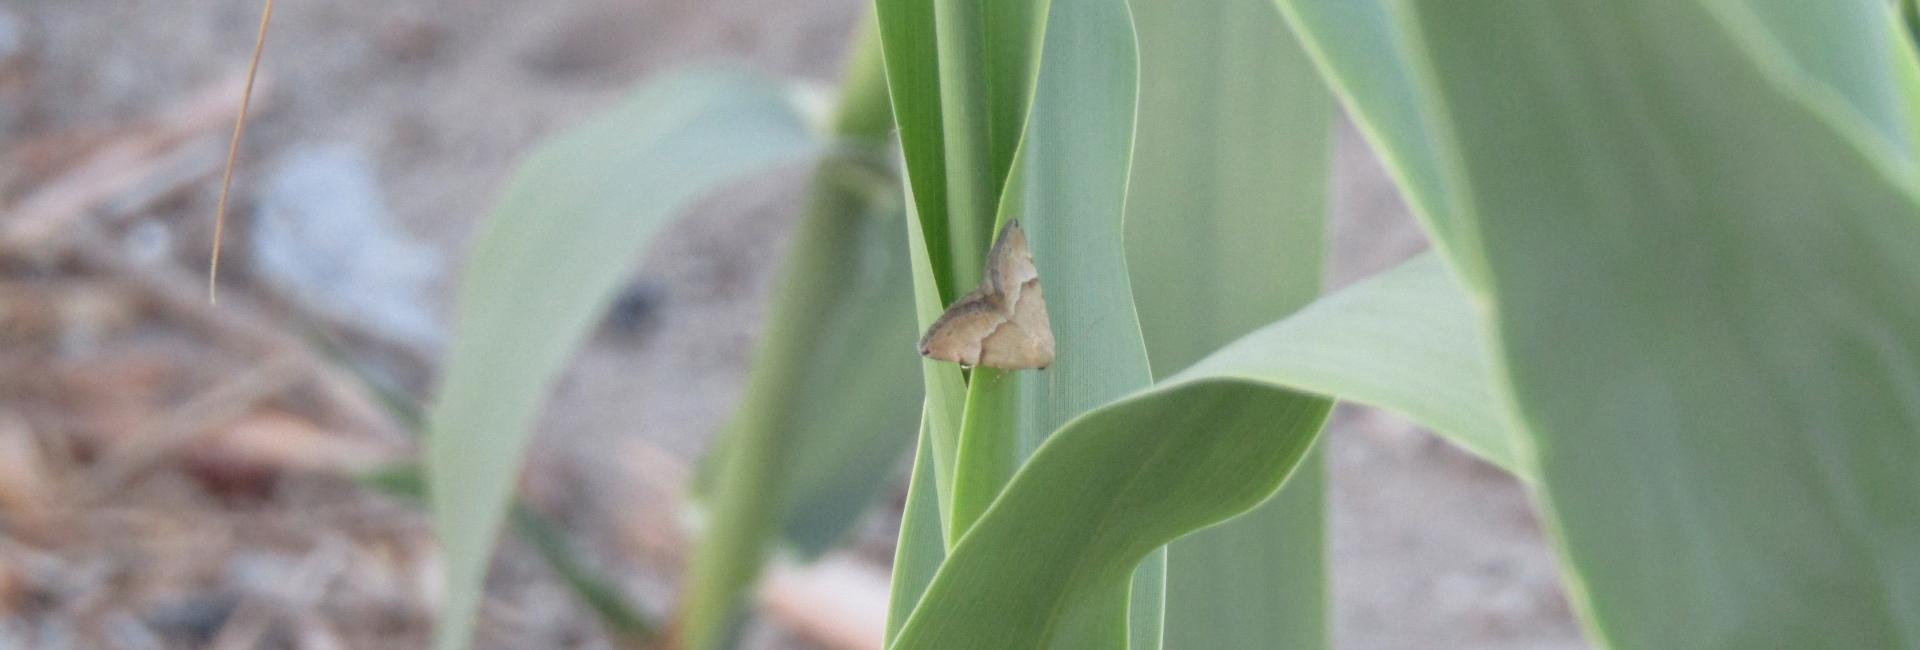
[820, 260]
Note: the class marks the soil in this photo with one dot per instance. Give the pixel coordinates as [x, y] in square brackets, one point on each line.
[1432, 549]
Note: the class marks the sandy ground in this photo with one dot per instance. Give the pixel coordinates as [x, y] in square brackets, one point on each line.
[1431, 548]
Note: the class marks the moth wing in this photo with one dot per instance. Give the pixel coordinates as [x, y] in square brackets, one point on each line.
[1011, 263]
[1025, 342]
[960, 333]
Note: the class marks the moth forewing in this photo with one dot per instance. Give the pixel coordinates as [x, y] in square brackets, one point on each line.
[1003, 323]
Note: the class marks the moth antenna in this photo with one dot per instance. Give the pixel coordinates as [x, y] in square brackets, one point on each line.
[233, 154]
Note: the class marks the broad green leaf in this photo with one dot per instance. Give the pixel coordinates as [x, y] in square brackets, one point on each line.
[1202, 446]
[1407, 340]
[553, 251]
[1225, 233]
[1068, 187]
[1704, 273]
[829, 407]
[1060, 547]
[1843, 47]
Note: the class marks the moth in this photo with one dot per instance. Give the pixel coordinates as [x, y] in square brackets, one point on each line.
[1001, 324]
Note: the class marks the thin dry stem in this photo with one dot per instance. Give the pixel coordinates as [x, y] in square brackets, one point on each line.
[233, 154]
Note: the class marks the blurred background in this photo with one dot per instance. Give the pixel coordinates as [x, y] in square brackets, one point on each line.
[179, 475]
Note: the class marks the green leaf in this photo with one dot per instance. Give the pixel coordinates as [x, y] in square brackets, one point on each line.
[921, 546]
[829, 407]
[913, 81]
[1206, 444]
[858, 411]
[554, 250]
[1362, 48]
[1058, 550]
[1407, 340]
[1068, 189]
[1225, 233]
[1067, 182]
[989, 52]
[1844, 48]
[1701, 252]
[1704, 272]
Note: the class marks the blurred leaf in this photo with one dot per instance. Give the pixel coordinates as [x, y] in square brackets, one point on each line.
[1362, 49]
[1705, 271]
[1226, 216]
[552, 254]
[1202, 446]
[621, 619]
[857, 413]
[831, 402]
[1844, 47]
[1702, 252]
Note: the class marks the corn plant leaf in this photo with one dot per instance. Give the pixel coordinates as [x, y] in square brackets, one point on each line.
[856, 416]
[1067, 183]
[922, 543]
[857, 420]
[913, 81]
[1361, 48]
[829, 407]
[1705, 272]
[1846, 48]
[1701, 259]
[552, 253]
[988, 55]
[921, 547]
[1226, 216]
[1206, 444]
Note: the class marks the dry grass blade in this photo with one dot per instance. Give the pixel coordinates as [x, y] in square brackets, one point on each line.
[233, 153]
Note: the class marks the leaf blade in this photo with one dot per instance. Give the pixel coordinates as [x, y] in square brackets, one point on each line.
[595, 192]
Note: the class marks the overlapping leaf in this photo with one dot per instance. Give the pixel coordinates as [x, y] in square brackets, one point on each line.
[1060, 544]
[1225, 233]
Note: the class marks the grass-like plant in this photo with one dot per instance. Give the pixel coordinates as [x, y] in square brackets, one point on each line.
[1675, 289]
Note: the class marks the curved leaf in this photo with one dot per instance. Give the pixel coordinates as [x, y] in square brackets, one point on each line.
[1226, 216]
[1205, 445]
[554, 250]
